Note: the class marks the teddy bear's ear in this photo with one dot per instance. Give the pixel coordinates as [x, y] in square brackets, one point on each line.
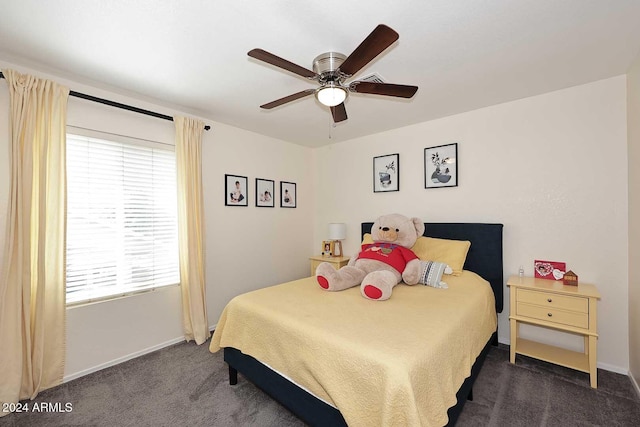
[419, 226]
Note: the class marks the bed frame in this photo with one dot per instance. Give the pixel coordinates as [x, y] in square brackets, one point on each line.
[484, 258]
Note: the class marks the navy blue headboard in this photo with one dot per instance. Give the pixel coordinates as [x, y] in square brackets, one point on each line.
[485, 253]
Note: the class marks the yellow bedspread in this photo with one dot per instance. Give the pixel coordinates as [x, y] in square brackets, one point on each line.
[398, 362]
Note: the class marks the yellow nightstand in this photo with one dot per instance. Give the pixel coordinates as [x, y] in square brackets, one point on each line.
[337, 262]
[553, 305]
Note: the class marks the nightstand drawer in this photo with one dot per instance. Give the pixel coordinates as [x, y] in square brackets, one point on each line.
[546, 299]
[553, 315]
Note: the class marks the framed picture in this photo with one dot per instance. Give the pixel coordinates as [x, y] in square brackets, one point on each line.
[264, 193]
[328, 248]
[552, 270]
[287, 194]
[235, 190]
[386, 173]
[441, 166]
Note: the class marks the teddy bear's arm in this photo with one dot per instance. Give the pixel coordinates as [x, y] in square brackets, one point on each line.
[353, 260]
[411, 273]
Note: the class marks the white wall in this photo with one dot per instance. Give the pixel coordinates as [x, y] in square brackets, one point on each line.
[551, 168]
[247, 248]
[633, 125]
[251, 247]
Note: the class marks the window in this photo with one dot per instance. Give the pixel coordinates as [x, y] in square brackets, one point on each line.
[122, 227]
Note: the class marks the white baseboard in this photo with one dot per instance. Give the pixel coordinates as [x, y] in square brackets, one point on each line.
[133, 355]
[635, 383]
[612, 368]
[113, 362]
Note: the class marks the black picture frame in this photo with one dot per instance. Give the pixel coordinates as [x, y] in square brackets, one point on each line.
[265, 193]
[236, 191]
[386, 173]
[288, 194]
[441, 166]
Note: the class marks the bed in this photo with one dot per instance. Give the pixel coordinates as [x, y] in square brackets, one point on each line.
[292, 341]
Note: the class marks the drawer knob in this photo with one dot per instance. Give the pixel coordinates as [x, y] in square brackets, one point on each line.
[549, 314]
[549, 300]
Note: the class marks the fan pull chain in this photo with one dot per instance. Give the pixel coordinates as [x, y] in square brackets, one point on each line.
[332, 126]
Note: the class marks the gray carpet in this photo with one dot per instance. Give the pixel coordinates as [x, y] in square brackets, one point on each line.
[185, 385]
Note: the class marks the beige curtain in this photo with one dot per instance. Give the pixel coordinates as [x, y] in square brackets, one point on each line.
[191, 228]
[32, 284]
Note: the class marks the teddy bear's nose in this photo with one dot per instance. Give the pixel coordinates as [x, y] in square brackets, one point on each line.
[385, 228]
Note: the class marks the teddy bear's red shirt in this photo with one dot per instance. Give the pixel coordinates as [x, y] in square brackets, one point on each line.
[389, 253]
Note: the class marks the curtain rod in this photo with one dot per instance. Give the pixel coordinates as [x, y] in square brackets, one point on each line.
[119, 105]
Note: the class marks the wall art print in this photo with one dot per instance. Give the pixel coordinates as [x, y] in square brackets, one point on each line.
[235, 190]
[441, 166]
[288, 196]
[265, 191]
[386, 173]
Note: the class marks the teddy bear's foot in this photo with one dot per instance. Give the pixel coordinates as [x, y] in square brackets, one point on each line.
[337, 280]
[378, 285]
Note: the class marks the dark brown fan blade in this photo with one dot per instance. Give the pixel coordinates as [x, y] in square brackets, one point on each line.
[339, 113]
[286, 99]
[380, 38]
[388, 89]
[272, 59]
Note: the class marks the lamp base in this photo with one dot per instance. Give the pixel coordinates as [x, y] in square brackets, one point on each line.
[337, 249]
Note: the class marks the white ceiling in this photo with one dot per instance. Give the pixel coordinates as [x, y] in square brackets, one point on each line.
[192, 54]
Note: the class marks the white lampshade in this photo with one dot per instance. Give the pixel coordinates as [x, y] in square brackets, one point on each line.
[337, 231]
[331, 95]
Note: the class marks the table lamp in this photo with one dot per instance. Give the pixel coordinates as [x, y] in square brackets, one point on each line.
[337, 232]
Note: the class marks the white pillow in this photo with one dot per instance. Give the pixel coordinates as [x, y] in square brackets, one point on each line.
[431, 273]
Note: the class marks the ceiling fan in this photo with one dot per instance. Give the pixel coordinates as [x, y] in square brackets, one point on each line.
[332, 69]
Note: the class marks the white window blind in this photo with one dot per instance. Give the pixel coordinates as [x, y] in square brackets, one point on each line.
[122, 233]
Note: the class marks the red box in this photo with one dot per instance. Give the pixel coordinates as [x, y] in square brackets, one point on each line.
[550, 270]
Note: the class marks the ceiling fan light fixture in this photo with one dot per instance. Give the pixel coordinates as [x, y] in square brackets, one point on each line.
[331, 95]
[332, 69]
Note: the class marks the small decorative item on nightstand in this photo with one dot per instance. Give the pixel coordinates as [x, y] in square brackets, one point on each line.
[570, 278]
[327, 248]
[550, 270]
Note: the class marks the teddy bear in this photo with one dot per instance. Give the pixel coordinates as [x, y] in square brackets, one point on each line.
[381, 265]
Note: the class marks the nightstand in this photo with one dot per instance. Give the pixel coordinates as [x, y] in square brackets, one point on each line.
[336, 261]
[551, 304]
